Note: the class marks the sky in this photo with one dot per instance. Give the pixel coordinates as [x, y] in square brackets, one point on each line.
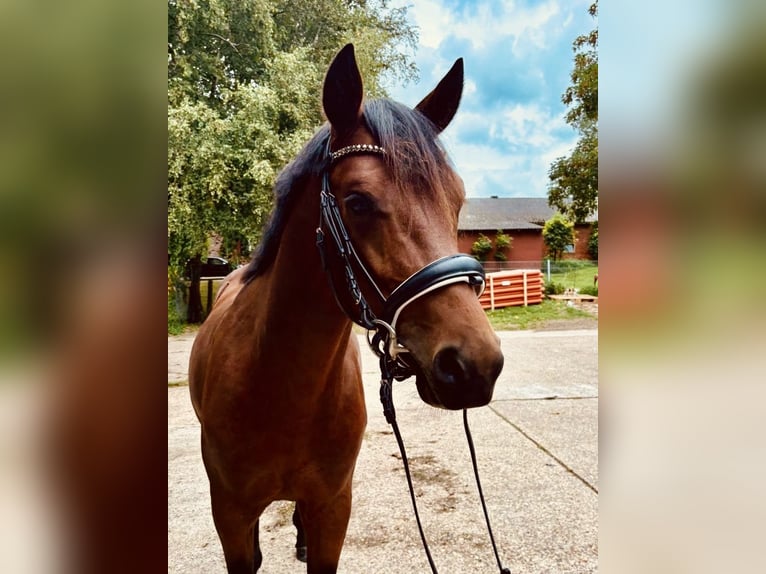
[518, 58]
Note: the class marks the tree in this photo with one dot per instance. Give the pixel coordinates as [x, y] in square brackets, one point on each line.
[573, 188]
[243, 96]
[219, 45]
[222, 162]
[558, 234]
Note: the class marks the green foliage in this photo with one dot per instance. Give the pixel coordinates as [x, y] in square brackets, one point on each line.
[553, 288]
[582, 95]
[481, 247]
[222, 165]
[573, 188]
[503, 242]
[593, 242]
[558, 234]
[589, 290]
[175, 320]
[219, 45]
[574, 179]
[244, 80]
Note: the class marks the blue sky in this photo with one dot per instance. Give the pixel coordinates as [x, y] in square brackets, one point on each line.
[518, 57]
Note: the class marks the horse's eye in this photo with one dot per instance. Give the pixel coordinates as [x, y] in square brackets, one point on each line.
[360, 204]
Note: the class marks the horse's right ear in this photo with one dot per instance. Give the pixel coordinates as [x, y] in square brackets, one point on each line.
[343, 93]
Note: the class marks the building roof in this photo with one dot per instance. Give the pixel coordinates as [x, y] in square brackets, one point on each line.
[492, 213]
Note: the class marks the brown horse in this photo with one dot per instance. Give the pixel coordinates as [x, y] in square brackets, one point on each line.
[275, 374]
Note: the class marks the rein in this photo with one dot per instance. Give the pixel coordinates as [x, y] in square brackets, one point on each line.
[381, 331]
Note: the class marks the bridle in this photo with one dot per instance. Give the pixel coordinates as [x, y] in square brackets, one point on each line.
[381, 330]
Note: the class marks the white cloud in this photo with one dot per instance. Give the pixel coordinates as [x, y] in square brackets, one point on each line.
[509, 150]
[486, 170]
[527, 26]
[476, 163]
[481, 25]
[530, 125]
[433, 20]
[469, 88]
[530, 134]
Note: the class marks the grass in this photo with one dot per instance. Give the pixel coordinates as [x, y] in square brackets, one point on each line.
[203, 291]
[573, 274]
[177, 324]
[519, 318]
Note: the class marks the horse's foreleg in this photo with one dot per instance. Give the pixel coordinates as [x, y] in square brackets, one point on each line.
[325, 523]
[300, 539]
[238, 531]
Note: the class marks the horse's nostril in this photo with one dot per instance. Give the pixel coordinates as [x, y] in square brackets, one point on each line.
[448, 367]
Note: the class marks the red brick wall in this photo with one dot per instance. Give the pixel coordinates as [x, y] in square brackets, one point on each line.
[527, 244]
[582, 234]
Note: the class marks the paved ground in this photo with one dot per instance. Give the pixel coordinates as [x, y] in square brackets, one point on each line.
[538, 457]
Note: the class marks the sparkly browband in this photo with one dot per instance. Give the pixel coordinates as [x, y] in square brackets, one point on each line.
[357, 148]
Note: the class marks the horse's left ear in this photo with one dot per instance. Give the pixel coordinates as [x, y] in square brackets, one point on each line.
[342, 93]
[441, 104]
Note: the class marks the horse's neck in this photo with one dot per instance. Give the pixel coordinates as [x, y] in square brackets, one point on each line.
[294, 303]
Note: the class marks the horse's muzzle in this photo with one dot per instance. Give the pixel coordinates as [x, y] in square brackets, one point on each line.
[456, 381]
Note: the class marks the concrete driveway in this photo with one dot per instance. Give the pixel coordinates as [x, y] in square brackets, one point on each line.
[537, 452]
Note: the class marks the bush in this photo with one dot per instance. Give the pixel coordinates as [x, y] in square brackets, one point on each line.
[558, 234]
[589, 291]
[481, 247]
[502, 243]
[176, 321]
[552, 288]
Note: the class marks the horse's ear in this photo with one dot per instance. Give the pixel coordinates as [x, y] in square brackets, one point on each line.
[441, 104]
[342, 94]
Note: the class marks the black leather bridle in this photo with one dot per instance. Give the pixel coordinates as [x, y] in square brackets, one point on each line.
[381, 329]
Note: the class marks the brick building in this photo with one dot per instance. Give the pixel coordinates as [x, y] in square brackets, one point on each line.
[523, 219]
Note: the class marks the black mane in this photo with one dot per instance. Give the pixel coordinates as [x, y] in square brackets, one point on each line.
[415, 158]
[309, 161]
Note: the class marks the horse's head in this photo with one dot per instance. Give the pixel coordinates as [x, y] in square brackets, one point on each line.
[401, 211]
